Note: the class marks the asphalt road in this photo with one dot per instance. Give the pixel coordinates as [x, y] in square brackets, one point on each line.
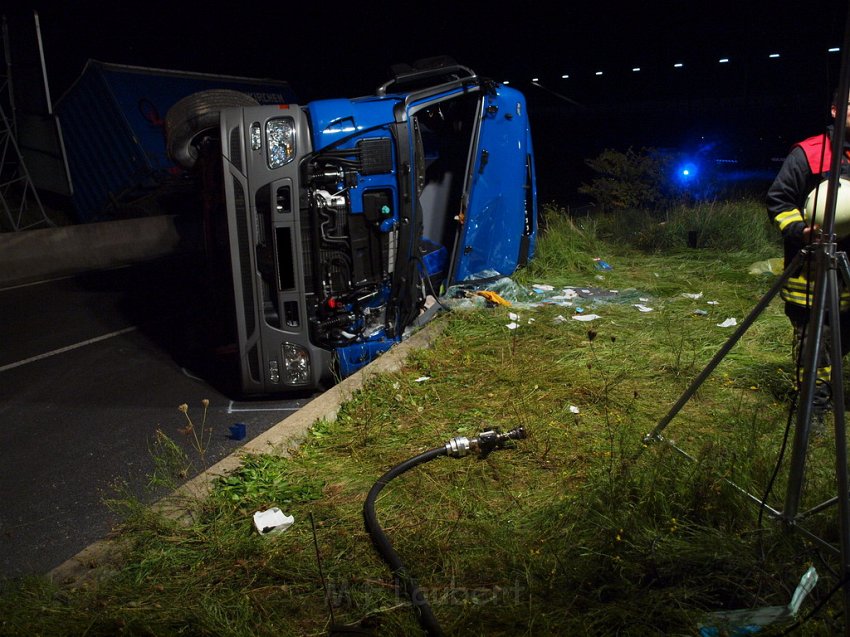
[90, 367]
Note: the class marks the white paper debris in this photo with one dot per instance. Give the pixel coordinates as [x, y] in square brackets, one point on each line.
[272, 522]
[512, 326]
[643, 308]
[642, 299]
[713, 302]
[513, 317]
[728, 323]
[574, 409]
[422, 379]
[586, 317]
[559, 319]
[542, 287]
[692, 295]
[531, 320]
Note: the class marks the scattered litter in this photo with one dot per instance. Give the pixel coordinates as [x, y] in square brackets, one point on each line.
[602, 265]
[728, 323]
[512, 326]
[567, 295]
[579, 310]
[692, 295]
[559, 319]
[643, 308]
[238, 431]
[586, 317]
[700, 312]
[272, 521]
[712, 302]
[505, 291]
[643, 299]
[574, 409]
[422, 379]
[599, 277]
[513, 316]
[749, 621]
[531, 320]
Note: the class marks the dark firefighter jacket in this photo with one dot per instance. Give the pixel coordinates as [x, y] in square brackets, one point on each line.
[805, 167]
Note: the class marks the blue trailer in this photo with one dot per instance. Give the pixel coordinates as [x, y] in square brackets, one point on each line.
[111, 121]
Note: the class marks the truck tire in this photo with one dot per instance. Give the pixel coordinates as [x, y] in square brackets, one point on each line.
[194, 115]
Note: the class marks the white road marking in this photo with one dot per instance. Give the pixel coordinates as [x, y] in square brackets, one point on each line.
[234, 410]
[68, 348]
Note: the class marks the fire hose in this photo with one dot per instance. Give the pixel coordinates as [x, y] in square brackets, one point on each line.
[458, 447]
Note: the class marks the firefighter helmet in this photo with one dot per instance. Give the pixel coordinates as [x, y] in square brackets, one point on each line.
[816, 204]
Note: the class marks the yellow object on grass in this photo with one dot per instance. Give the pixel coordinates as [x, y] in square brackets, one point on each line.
[493, 297]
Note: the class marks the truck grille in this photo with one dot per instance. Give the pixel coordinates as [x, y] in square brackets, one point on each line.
[236, 148]
[245, 270]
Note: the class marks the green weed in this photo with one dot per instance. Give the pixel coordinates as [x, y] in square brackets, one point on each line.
[581, 529]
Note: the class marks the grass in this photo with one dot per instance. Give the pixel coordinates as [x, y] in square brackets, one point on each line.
[581, 529]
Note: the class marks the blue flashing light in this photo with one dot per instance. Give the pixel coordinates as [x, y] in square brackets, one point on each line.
[687, 172]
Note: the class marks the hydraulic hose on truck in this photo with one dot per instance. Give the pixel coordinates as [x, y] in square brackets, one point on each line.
[482, 445]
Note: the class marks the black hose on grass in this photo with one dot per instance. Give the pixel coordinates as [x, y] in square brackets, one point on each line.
[421, 608]
[483, 444]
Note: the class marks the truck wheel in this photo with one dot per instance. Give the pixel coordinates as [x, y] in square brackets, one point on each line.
[194, 115]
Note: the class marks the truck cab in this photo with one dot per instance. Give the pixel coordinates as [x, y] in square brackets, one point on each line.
[345, 218]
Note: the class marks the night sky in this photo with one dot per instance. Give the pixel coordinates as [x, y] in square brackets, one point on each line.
[334, 49]
[327, 46]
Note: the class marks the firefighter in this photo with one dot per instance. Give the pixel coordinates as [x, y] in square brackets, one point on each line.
[803, 178]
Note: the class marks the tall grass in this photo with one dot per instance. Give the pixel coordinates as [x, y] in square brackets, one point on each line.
[741, 225]
[581, 529]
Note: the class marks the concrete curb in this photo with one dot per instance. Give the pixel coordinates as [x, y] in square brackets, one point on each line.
[34, 255]
[96, 559]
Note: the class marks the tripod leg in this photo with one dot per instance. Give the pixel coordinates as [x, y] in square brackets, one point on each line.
[825, 287]
[655, 434]
[841, 477]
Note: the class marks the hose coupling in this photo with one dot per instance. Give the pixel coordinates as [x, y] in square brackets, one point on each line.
[457, 447]
[484, 443]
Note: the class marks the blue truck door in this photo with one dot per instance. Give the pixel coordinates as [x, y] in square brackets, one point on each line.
[499, 220]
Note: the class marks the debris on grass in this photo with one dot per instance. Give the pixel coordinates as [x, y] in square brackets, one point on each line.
[752, 620]
[586, 317]
[272, 521]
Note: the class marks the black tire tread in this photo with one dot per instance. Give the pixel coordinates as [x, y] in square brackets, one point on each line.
[194, 114]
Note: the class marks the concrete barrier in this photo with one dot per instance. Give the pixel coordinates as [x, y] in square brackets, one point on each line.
[35, 255]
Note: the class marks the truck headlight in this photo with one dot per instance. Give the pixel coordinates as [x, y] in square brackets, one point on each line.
[296, 364]
[280, 141]
[256, 136]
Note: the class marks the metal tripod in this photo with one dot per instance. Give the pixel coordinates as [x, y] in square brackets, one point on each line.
[829, 265]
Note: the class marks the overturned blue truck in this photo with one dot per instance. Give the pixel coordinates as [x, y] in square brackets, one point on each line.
[333, 225]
